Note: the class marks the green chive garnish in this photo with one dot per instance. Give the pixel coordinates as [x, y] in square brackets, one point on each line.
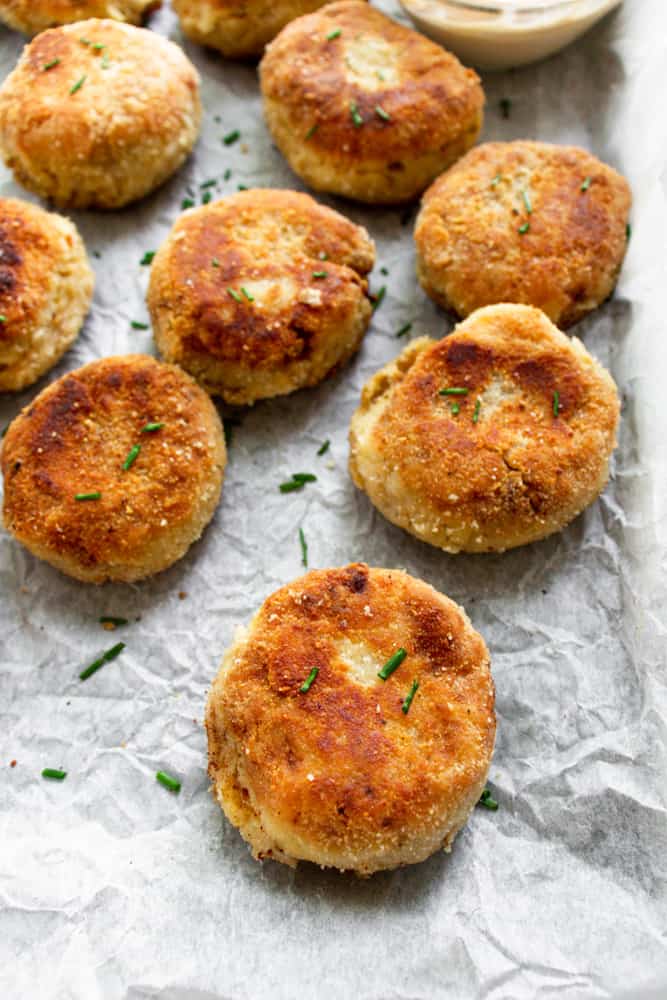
[305, 687]
[250, 298]
[324, 447]
[107, 657]
[393, 663]
[151, 428]
[88, 496]
[524, 228]
[231, 137]
[628, 231]
[304, 548]
[312, 130]
[49, 65]
[586, 184]
[52, 772]
[488, 801]
[208, 184]
[3, 318]
[110, 620]
[297, 482]
[85, 41]
[454, 391]
[187, 203]
[98, 46]
[136, 325]
[319, 274]
[505, 106]
[383, 270]
[132, 456]
[171, 783]
[526, 201]
[381, 113]
[147, 258]
[496, 180]
[78, 85]
[378, 297]
[227, 174]
[556, 404]
[405, 707]
[336, 33]
[234, 294]
[215, 262]
[304, 477]
[455, 408]
[357, 120]
[404, 329]
[206, 197]
[478, 407]
[242, 187]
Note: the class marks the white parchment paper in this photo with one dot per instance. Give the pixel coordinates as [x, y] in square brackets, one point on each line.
[112, 887]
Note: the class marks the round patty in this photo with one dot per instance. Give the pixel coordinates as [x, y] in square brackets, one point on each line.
[496, 436]
[33, 16]
[98, 113]
[261, 293]
[363, 107]
[238, 30]
[524, 222]
[356, 772]
[114, 470]
[46, 285]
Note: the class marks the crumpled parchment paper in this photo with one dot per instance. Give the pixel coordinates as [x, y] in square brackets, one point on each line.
[112, 887]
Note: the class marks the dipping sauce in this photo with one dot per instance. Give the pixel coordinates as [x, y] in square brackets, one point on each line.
[498, 34]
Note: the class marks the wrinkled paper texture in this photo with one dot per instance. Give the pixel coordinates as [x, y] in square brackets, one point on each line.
[112, 887]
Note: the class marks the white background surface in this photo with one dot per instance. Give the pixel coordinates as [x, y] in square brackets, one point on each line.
[111, 887]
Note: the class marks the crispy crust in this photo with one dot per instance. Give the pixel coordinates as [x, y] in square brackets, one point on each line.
[239, 30]
[130, 124]
[33, 16]
[46, 285]
[515, 475]
[340, 775]
[311, 81]
[470, 252]
[74, 438]
[297, 329]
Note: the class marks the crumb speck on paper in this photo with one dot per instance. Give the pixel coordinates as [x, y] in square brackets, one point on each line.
[182, 594]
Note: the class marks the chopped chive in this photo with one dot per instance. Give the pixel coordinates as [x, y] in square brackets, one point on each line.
[405, 707]
[206, 197]
[357, 120]
[52, 772]
[312, 130]
[110, 620]
[136, 325]
[324, 447]
[628, 231]
[241, 187]
[98, 46]
[85, 41]
[323, 255]
[455, 408]
[297, 482]
[393, 663]
[305, 687]
[151, 428]
[526, 201]
[234, 294]
[524, 228]
[88, 496]
[304, 548]
[320, 274]
[454, 391]
[383, 270]
[132, 456]
[250, 298]
[3, 318]
[556, 403]
[381, 113]
[336, 33]
[107, 657]
[147, 258]
[586, 184]
[505, 106]
[496, 180]
[215, 262]
[404, 329]
[173, 784]
[291, 486]
[78, 85]
[187, 203]
[378, 297]
[488, 801]
[49, 65]
[231, 137]
[304, 477]
[227, 174]
[208, 184]
[478, 407]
